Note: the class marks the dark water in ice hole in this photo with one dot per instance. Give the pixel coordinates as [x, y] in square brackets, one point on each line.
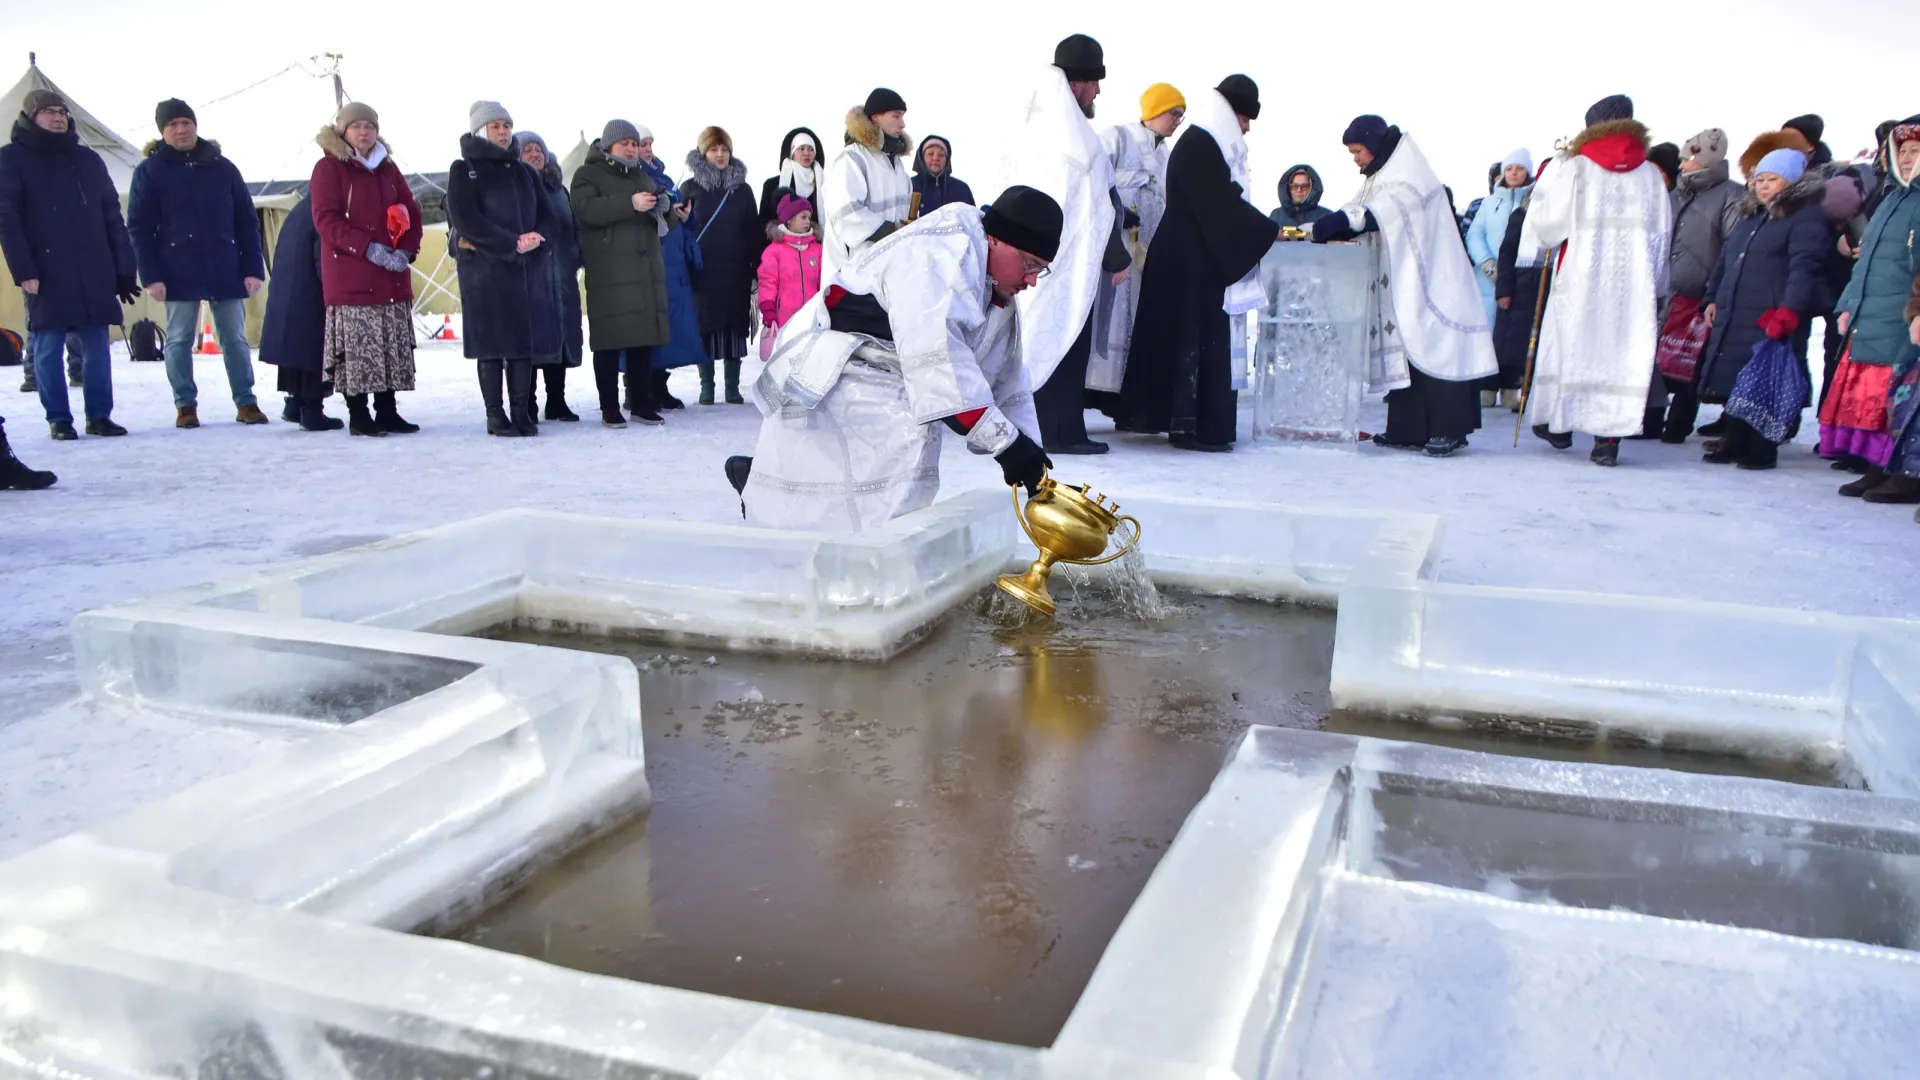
[946, 841]
[949, 840]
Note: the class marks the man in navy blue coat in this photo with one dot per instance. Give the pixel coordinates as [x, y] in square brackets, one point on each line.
[66, 246]
[195, 238]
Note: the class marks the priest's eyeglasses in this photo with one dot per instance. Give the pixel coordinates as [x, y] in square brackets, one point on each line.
[1034, 270]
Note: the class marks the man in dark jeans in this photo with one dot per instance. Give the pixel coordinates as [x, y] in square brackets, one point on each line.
[31, 385]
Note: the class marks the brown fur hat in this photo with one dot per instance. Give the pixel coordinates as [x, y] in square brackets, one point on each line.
[712, 137]
[1784, 139]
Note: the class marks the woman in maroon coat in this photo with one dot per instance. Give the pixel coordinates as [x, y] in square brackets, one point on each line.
[369, 227]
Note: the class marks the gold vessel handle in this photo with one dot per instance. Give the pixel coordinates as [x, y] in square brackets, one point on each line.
[1019, 512]
[1131, 544]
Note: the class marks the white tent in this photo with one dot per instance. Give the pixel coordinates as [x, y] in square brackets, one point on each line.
[575, 157]
[119, 154]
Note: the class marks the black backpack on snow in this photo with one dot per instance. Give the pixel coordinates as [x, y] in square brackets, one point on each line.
[146, 342]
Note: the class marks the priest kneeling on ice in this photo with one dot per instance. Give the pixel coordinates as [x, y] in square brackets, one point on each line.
[916, 333]
[1428, 337]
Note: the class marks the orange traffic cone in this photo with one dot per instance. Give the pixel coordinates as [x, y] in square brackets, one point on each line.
[208, 346]
[446, 329]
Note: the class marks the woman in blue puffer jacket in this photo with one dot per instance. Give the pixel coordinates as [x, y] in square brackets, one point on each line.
[1486, 233]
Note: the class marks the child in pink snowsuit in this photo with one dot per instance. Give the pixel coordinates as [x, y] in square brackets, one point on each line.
[789, 269]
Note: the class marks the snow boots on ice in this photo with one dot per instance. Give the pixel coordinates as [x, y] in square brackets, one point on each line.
[359, 420]
[387, 415]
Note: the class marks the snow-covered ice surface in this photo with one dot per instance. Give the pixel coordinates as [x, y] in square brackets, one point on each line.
[163, 509]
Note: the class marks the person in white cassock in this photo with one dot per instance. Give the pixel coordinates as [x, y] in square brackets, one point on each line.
[1428, 337]
[1138, 152]
[1608, 204]
[918, 333]
[1069, 161]
[866, 192]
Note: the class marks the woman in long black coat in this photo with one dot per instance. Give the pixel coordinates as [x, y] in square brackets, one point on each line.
[296, 321]
[500, 221]
[726, 224]
[1775, 258]
[563, 275]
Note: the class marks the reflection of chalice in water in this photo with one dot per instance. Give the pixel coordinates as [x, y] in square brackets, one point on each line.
[1068, 524]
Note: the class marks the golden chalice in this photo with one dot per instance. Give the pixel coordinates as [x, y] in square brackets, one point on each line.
[1068, 524]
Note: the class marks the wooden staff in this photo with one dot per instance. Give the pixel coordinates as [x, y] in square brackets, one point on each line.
[1533, 343]
[913, 207]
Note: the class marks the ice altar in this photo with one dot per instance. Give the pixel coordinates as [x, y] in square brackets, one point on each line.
[1310, 360]
[1516, 917]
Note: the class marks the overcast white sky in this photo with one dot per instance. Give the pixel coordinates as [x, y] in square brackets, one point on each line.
[1469, 84]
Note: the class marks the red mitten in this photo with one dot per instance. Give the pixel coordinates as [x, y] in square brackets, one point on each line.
[398, 222]
[1779, 323]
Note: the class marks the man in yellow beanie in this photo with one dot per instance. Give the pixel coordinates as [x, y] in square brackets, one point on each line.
[1139, 155]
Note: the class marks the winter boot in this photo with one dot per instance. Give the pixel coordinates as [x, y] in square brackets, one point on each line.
[1605, 452]
[186, 417]
[1443, 446]
[1895, 489]
[290, 412]
[1729, 447]
[62, 431]
[387, 414]
[1759, 456]
[104, 426]
[739, 467]
[1873, 478]
[1652, 424]
[1560, 441]
[733, 383]
[1489, 398]
[313, 417]
[706, 382]
[556, 409]
[359, 420]
[492, 377]
[15, 475]
[661, 395]
[250, 414]
[612, 418]
[1511, 399]
[1715, 429]
[28, 384]
[520, 397]
[1849, 463]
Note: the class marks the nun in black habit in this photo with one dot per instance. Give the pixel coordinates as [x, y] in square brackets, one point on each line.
[1179, 379]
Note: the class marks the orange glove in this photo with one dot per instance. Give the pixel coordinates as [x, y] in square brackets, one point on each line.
[398, 222]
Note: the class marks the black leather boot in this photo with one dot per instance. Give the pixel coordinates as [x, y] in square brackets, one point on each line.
[733, 383]
[520, 397]
[387, 414]
[359, 420]
[493, 375]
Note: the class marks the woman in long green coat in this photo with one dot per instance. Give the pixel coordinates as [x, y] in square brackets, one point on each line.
[619, 211]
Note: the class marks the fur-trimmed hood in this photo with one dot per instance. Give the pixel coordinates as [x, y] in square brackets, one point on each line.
[713, 179]
[1810, 189]
[862, 130]
[1768, 142]
[1614, 127]
[203, 151]
[335, 144]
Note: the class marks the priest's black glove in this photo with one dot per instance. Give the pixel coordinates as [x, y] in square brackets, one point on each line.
[128, 289]
[1023, 462]
[1129, 219]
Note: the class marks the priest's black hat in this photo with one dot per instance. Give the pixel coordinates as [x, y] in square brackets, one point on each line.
[1241, 93]
[1028, 219]
[883, 100]
[1081, 58]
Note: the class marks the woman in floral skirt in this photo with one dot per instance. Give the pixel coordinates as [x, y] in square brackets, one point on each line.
[369, 227]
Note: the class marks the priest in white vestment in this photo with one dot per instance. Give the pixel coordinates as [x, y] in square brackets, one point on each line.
[866, 193]
[1608, 205]
[1428, 337]
[1138, 152]
[918, 333]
